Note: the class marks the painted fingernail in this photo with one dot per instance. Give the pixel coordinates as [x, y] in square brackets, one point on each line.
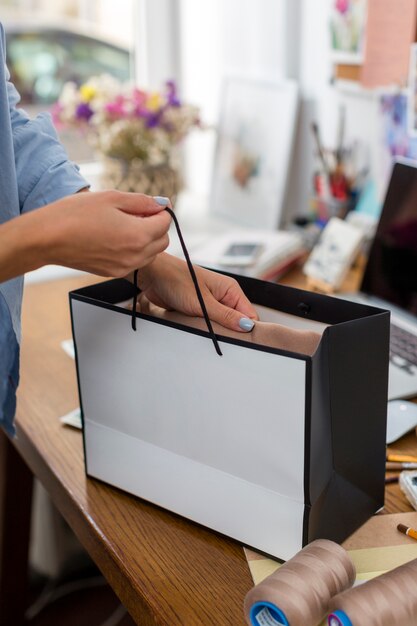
[246, 324]
[161, 200]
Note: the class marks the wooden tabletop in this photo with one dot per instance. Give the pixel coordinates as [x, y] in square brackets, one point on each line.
[165, 569]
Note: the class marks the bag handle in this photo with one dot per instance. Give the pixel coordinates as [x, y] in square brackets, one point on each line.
[195, 282]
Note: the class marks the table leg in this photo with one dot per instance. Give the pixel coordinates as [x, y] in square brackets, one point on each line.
[16, 484]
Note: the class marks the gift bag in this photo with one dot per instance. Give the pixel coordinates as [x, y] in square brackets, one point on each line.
[274, 437]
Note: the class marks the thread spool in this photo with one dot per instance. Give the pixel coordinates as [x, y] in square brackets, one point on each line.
[299, 592]
[388, 600]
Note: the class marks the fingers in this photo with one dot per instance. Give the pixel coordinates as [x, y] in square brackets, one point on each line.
[151, 236]
[228, 317]
[138, 203]
[163, 201]
[155, 226]
[148, 254]
[236, 299]
[234, 310]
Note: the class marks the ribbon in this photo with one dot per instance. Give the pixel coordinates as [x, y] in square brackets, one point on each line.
[193, 278]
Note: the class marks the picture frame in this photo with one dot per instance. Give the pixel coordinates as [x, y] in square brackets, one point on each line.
[254, 148]
[396, 135]
[347, 30]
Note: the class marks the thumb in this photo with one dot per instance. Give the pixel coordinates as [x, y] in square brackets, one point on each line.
[229, 318]
[140, 204]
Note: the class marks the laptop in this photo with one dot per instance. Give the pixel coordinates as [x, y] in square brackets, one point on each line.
[390, 277]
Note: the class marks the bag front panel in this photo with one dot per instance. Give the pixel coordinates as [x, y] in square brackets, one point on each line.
[242, 413]
[217, 439]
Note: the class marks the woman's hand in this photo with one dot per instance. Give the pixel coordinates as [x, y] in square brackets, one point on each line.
[108, 233]
[167, 283]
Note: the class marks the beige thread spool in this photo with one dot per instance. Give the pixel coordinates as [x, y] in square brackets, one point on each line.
[388, 600]
[299, 592]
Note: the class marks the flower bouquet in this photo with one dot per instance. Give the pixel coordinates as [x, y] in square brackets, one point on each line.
[136, 132]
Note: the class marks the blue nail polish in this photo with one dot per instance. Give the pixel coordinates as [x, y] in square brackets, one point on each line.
[246, 324]
[161, 200]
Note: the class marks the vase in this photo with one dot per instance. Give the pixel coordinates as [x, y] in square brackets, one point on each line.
[137, 176]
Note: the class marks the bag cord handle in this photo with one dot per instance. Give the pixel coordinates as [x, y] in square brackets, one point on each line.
[195, 282]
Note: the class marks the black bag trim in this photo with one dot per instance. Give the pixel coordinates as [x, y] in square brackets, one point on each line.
[77, 369]
[193, 278]
[320, 308]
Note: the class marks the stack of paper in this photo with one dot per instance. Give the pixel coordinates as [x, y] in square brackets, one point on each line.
[278, 250]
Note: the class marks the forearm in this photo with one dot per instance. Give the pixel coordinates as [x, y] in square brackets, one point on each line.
[22, 248]
[149, 274]
[24, 244]
[106, 233]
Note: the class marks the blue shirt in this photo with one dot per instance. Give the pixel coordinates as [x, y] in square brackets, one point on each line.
[34, 170]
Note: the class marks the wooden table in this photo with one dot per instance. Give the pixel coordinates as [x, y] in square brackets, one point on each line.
[165, 570]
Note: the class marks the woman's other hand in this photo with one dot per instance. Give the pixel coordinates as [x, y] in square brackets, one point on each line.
[167, 283]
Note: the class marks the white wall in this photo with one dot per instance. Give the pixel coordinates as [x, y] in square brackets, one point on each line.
[272, 39]
[218, 38]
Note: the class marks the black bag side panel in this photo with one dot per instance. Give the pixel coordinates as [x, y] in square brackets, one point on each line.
[318, 442]
[358, 358]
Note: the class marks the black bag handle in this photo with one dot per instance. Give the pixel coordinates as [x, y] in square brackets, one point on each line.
[194, 279]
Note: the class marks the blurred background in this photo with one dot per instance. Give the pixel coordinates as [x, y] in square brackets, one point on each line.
[199, 45]
[50, 43]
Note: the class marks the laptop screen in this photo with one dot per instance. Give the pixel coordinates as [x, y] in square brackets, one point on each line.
[391, 271]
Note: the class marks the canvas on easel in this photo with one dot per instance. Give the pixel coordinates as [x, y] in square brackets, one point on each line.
[254, 148]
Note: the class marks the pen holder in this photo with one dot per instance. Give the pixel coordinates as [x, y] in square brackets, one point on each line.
[325, 208]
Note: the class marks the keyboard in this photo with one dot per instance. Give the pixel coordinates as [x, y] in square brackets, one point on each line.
[403, 349]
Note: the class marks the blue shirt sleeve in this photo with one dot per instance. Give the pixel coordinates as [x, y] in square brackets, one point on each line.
[34, 170]
[44, 173]
[9, 369]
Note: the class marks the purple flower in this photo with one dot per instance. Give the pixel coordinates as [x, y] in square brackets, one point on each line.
[172, 97]
[153, 119]
[140, 111]
[342, 6]
[83, 111]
